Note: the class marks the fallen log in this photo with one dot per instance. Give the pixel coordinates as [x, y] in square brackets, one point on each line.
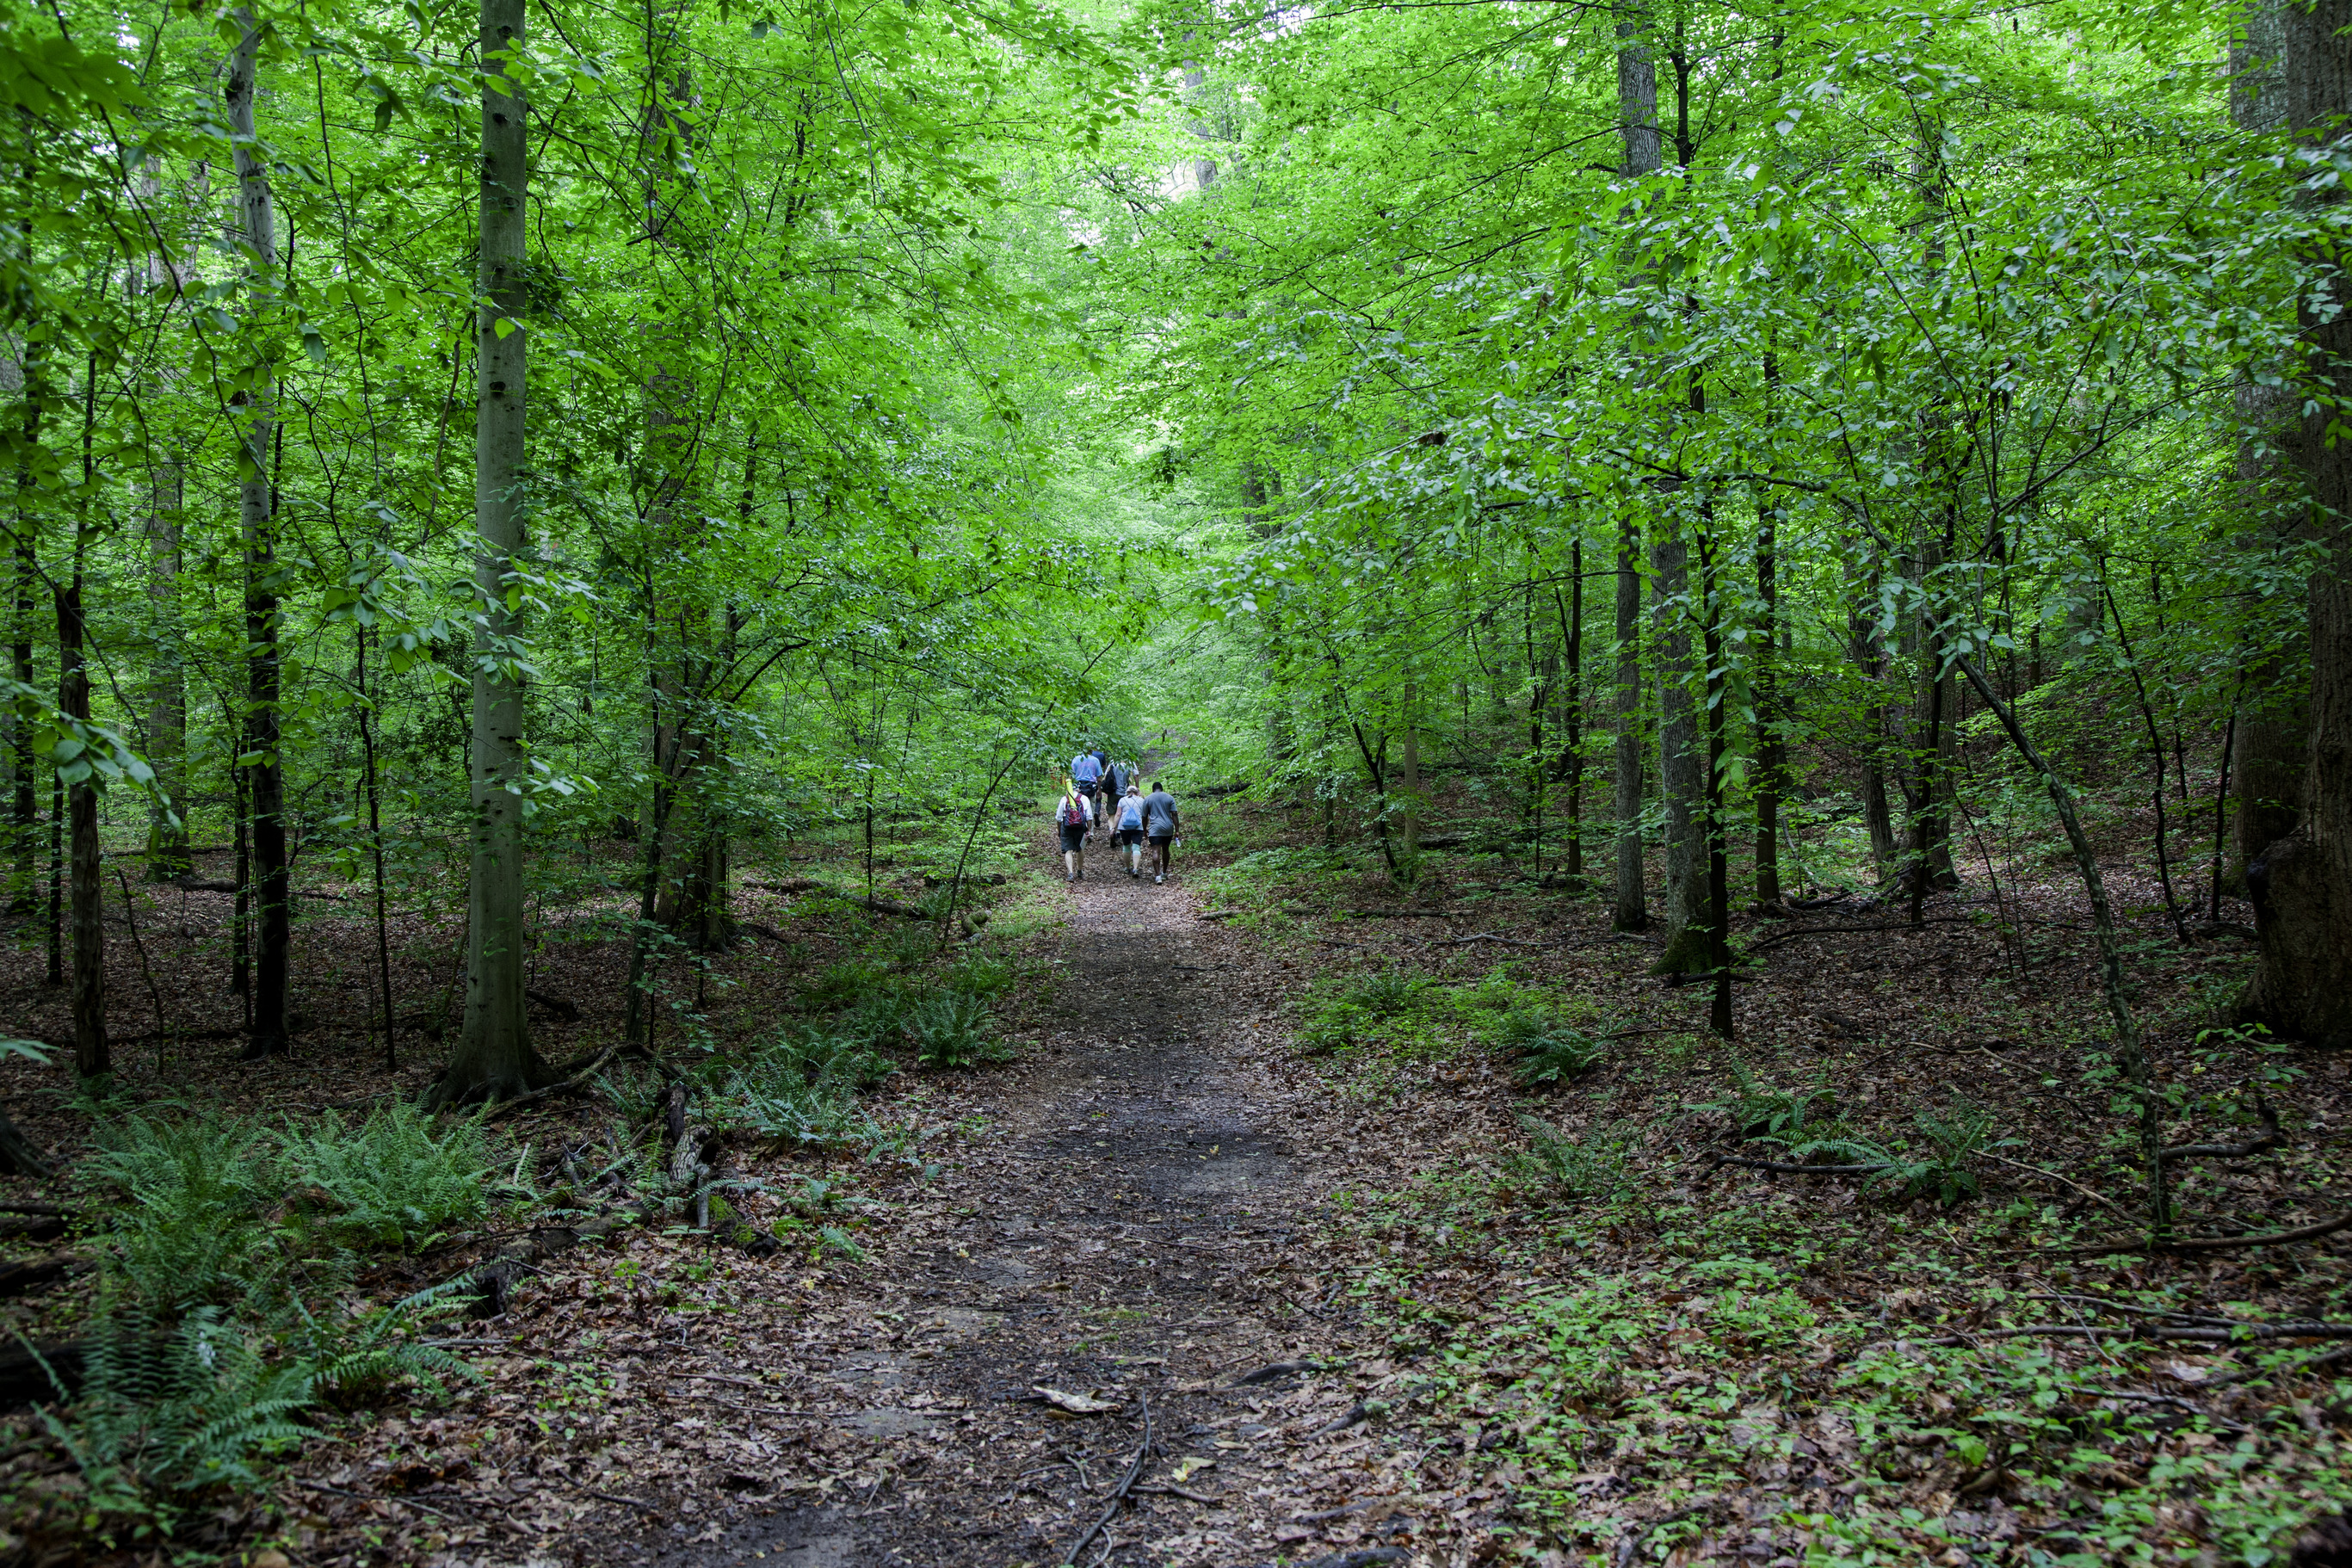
[33, 1374]
[24, 1278]
[562, 1007]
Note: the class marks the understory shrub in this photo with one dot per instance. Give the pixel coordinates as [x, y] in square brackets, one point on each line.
[1588, 1167]
[838, 985]
[953, 1029]
[1546, 1049]
[175, 1408]
[220, 1312]
[1940, 1161]
[396, 1178]
[799, 1084]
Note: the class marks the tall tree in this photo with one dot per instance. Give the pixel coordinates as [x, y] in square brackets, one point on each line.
[1637, 128]
[2302, 885]
[494, 1059]
[253, 413]
[92, 1055]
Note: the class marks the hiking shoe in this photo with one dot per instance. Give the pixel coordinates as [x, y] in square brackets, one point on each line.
[1157, 880]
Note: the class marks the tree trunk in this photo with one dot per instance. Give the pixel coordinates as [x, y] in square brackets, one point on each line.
[2302, 885]
[1637, 127]
[1771, 751]
[1631, 911]
[1681, 759]
[1867, 648]
[91, 1055]
[1570, 763]
[1409, 767]
[494, 1059]
[167, 685]
[256, 421]
[24, 810]
[2268, 752]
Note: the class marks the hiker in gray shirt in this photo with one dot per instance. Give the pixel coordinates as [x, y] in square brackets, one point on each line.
[1162, 822]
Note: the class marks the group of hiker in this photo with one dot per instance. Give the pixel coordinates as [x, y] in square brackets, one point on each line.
[1101, 793]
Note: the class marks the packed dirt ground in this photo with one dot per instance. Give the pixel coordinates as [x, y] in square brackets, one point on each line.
[1315, 1221]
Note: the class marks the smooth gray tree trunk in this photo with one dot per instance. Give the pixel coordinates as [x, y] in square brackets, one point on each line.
[494, 1059]
[254, 414]
[1637, 127]
[1682, 760]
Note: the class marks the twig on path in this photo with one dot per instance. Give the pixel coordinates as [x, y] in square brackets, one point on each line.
[1118, 1495]
[1482, 936]
[2055, 1176]
[2046, 1331]
[1793, 932]
[2270, 1138]
[363, 1497]
[1784, 1168]
[2333, 1358]
[1158, 1490]
[623, 1502]
[2218, 1242]
[2138, 1397]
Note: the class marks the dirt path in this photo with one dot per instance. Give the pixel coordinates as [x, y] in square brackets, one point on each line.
[1127, 1228]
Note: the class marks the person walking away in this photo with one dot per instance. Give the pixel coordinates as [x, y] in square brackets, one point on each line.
[1121, 780]
[1104, 797]
[1086, 770]
[1073, 817]
[1162, 822]
[1130, 834]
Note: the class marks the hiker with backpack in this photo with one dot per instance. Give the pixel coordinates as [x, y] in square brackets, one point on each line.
[1086, 772]
[1072, 817]
[1126, 833]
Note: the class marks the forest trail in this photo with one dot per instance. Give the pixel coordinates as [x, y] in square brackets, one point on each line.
[1127, 1230]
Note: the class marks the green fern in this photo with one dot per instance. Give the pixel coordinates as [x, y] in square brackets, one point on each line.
[951, 1029]
[177, 1409]
[396, 1178]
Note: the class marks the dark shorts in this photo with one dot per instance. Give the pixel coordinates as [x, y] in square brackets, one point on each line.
[1127, 836]
[1163, 840]
[1072, 837]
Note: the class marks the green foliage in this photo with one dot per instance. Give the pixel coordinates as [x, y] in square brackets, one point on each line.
[1547, 1051]
[1939, 1162]
[953, 1029]
[176, 1408]
[1385, 993]
[197, 1184]
[1764, 1111]
[396, 1178]
[1332, 1027]
[839, 985]
[799, 1084]
[980, 976]
[1592, 1167]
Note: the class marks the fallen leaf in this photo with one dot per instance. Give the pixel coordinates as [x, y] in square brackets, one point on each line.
[1076, 1404]
[1189, 1467]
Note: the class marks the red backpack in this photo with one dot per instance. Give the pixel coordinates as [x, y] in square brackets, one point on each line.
[1073, 813]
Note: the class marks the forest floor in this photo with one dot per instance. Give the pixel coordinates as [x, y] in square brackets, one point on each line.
[1275, 1179]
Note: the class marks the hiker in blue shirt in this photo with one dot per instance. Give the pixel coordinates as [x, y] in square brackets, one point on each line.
[1085, 772]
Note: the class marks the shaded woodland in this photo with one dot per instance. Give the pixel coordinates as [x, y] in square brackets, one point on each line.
[1748, 608]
